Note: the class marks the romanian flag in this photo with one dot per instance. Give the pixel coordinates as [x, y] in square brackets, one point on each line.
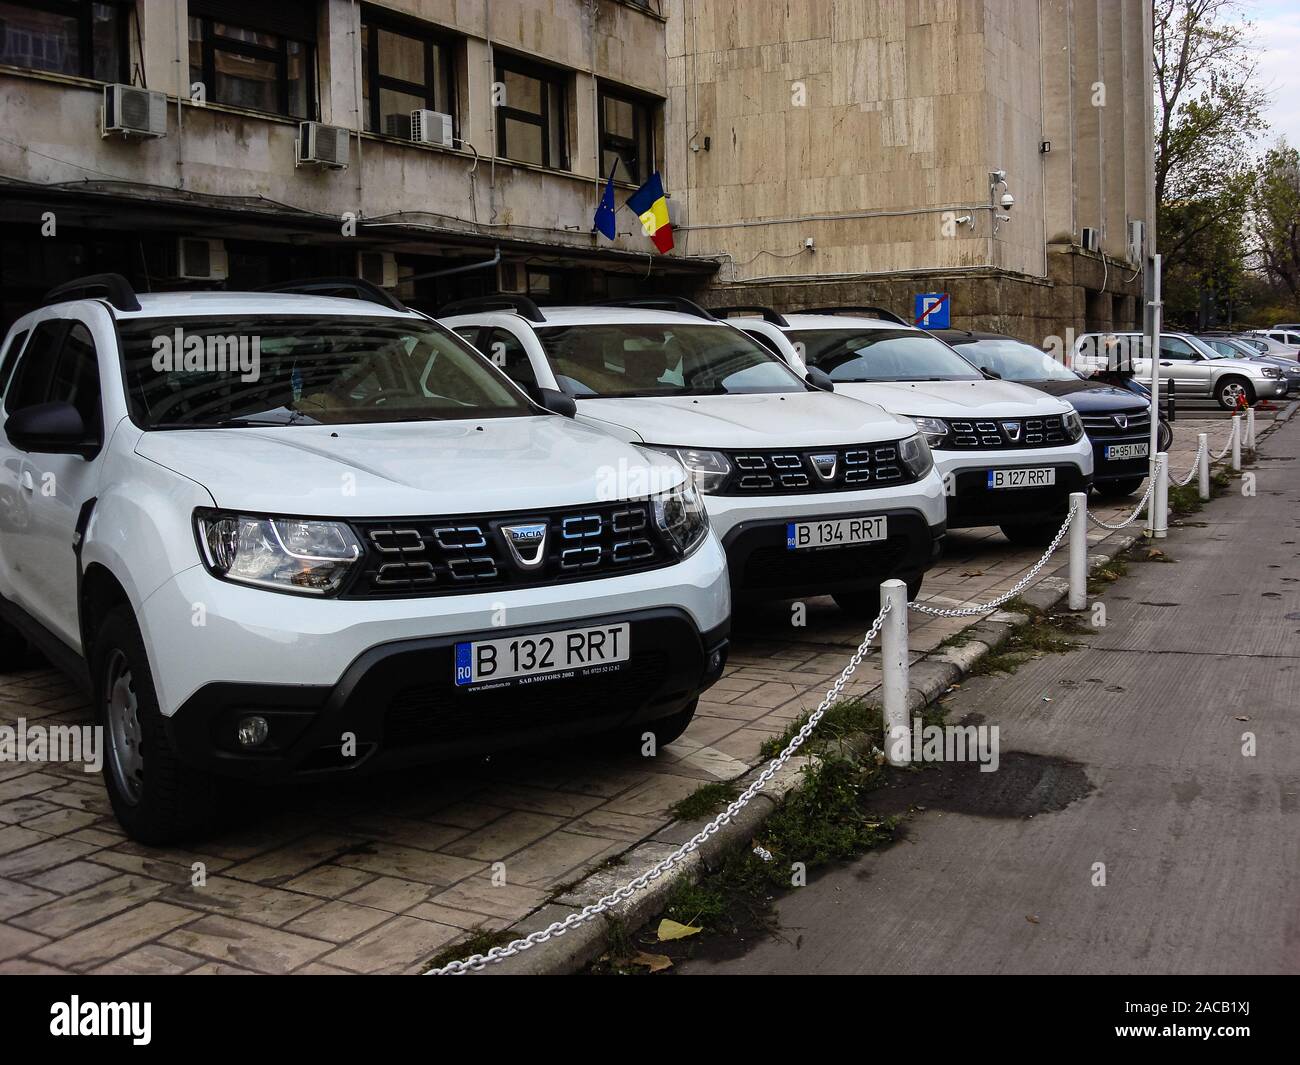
[649, 204]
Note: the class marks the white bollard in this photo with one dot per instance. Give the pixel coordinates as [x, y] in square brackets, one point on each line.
[1236, 443]
[1160, 498]
[893, 657]
[1203, 466]
[1079, 551]
[1250, 428]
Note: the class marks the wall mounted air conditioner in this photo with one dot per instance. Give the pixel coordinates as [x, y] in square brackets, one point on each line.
[131, 112]
[1090, 239]
[1137, 240]
[322, 145]
[378, 267]
[198, 259]
[431, 127]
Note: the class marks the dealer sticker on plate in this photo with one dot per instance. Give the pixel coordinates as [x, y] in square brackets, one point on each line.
[1021, 478]
[837, 533]
[595, 649]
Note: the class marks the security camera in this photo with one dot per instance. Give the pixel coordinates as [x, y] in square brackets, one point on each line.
[1008, 201]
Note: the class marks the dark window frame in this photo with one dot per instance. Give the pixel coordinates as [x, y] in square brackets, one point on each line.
[552, 80]
[431, 38]
[210, 42]
[644, 114]
[84, 13]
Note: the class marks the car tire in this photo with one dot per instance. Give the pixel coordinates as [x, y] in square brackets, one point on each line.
[1164, 436]
[1229, 388]
[13, 649]
[631, 738]
[1115, 489]
[156, 798]
[1035, 534]
[865, 605]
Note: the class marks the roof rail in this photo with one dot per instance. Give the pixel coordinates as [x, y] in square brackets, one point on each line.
[662, 303]
[766, 313]
[509, 301]
[114, 288]
[350, 288]
[878, 312]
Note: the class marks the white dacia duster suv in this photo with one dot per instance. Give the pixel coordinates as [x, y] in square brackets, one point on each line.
[1010, 455]
[810, 493]
[284, 535]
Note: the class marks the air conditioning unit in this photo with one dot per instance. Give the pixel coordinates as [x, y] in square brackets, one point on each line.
[398, 125]
[431, 127]
[1090, 239]
[378, 267]
[322, 145]
[132, 112]
[1137, 240]
[512, 277]
[198, 259]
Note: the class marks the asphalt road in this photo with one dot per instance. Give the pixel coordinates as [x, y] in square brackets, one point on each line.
[1127, 752]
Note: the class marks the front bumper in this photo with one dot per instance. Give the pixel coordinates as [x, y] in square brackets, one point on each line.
[972, 503]
[1105, 469]
[397, 704]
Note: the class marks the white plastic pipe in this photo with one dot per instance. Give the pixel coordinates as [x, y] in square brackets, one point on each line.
[1079, 551]
[1236, 443]
[893, 655]
[1203, 466]
[1160, 502]
[1250, 428]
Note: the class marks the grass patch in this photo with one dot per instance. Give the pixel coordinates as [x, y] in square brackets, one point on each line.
[848, 717]
[477, 942]
[705, 800]
[1112, 571]
[1040, 635]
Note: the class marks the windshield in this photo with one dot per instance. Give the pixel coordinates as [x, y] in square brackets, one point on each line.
[604, 361]
[1014, 360]
[880, 355]
[1205, 349]
[203, 373]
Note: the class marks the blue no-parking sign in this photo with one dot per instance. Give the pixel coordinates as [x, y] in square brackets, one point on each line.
[932, 310]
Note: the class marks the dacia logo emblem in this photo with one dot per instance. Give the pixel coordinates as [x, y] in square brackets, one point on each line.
[527, 542]
[1121, 420]
[824, 465]
[1012, 429]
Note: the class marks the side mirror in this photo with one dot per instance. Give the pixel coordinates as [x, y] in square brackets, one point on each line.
[820, 379]
[557, 402]
[51, 429]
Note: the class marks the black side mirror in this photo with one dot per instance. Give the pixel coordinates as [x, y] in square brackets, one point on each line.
[990, 375]
[820, 379]
[557, 402]
[51, 429]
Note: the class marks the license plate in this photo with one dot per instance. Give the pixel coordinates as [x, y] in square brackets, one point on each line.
[563, 651]
[841, 531]
[1021, 478]
[1115, 452]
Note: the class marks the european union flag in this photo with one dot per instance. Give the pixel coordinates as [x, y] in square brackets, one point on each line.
[604, 220]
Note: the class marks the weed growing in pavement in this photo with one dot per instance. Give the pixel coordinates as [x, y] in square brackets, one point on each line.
[1041, 634]
[480, 941]
[704, 801]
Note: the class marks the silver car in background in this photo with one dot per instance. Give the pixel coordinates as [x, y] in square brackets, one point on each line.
[1239, 348]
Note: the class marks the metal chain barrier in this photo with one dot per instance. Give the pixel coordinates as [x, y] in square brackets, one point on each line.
[1146, 496]
[1015, 590]
[1226, 448]
[558, 928]
[1196, 465]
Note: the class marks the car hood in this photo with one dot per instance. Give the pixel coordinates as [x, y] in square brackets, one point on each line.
[956, 399]
[413, 468]
[782, 419]
[1091, 395]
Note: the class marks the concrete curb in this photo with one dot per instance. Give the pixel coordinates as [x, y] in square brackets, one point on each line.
[931, 676]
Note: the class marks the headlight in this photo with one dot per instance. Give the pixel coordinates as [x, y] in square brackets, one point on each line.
[293, 554]
[935, 429]
[1272, 371]
[915, 455]
[681, 517]
[1073, 425]
[708, 469]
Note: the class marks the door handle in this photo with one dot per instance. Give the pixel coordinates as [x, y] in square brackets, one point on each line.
[26, 481]
[1166, 364]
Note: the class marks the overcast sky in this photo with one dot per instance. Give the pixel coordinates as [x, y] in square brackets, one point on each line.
[1277, 37]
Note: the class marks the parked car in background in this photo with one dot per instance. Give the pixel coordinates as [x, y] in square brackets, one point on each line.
[1117, 420]
[1196, 370]
[1237, 348]
[364, 547]
[1010, 455]
[810, 493]
[1284, 342]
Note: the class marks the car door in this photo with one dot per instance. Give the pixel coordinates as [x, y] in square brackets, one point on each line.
[59, 364]
[1185, 367]
[12, 500]
[509, 355]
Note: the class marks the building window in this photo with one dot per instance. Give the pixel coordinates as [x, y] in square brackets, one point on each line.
[87, 40]
[627, 133]
[405, 70]
[531, 113]
[252, 68]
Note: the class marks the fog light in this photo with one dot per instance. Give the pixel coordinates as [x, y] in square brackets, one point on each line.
[252, 731]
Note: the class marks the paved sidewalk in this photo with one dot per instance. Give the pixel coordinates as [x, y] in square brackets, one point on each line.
[378, 876]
